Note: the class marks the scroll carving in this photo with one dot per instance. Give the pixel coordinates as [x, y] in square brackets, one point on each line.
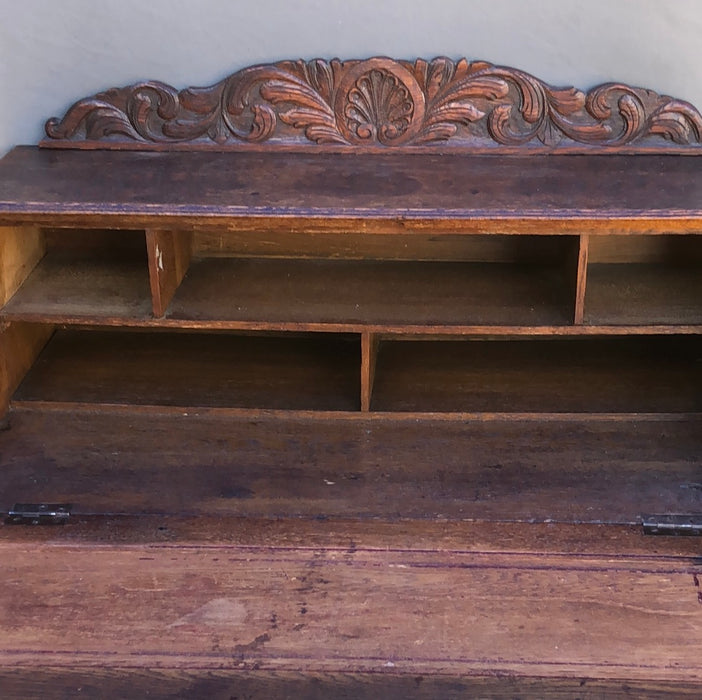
[380, 104]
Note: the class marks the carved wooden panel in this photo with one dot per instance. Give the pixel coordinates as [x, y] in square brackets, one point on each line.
[379, 104]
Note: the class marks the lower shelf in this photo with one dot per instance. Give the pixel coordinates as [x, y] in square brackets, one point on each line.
[579, 375]
[310, 372]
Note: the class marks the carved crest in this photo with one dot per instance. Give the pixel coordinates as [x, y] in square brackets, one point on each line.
[381, 104]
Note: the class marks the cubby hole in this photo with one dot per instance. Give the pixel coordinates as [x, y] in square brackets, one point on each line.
[428, 280]
[644, 280]
[160, 368]
[622, 374]
[86, 275]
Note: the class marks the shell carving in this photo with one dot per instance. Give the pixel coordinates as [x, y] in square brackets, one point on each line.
[378, 107]
[380, 104]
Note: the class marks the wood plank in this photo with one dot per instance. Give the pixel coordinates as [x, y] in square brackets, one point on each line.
[619, 293]
[160, 683]
[320, 611]
[316, 372]
[436, 246]
[638, 192]
[369, 355]
[615, 375]
[21, 248]
[581, 278]
[273, 465]
[372, 292]
[20, 344]
[169, 255]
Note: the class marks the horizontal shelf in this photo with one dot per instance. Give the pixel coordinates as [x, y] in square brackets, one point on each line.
[592, 375]
[388, 191]
[358, 292]
[637, 293]
[219, 463]
[92, 290]
[90, 275]
[319, 372]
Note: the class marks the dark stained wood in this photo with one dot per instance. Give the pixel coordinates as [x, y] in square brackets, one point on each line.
[379, 104]
[169, 256]
[372, 292]
[160, 683]
[446, 193]
[317, 372]
[638, 293]
[625, 375]
[370, 343]
[224, 463]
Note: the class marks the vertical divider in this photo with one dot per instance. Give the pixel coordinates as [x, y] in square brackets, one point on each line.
[369, 353]
[581, 279]
[169, 255]
[21, 248]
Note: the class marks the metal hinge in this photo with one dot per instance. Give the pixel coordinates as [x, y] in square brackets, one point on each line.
[39, 514]
[672, 524]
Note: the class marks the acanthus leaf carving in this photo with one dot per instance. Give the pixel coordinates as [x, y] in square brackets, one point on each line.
[380, 103]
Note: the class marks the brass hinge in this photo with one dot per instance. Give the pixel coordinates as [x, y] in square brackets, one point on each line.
[38, 514]
[672, 524]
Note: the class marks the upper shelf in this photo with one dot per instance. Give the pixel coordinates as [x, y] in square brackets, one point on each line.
[366, 145]
[452, 193]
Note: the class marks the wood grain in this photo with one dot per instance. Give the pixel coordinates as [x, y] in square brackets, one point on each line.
[372, 292]
[169, 255]
[590, 375]
[219, 462]
[640, 293]
[373, 193]
[370, 343]
[21, 248]
[329, 611]
[314, 372]
[20, 344]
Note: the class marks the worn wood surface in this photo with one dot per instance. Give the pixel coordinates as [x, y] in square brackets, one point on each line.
[185, 461]
[447, 193]
[340, 608]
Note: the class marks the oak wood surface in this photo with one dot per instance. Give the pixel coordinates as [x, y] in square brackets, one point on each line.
[132, 188]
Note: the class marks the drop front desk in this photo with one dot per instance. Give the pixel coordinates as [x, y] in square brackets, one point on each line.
[356, 376]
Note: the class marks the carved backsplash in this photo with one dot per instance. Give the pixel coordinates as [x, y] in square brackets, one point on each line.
[381, 104]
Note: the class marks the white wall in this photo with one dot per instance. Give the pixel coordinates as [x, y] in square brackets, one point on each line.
[52, 53]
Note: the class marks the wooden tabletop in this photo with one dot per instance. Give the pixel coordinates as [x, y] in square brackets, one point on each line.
[408, 191]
